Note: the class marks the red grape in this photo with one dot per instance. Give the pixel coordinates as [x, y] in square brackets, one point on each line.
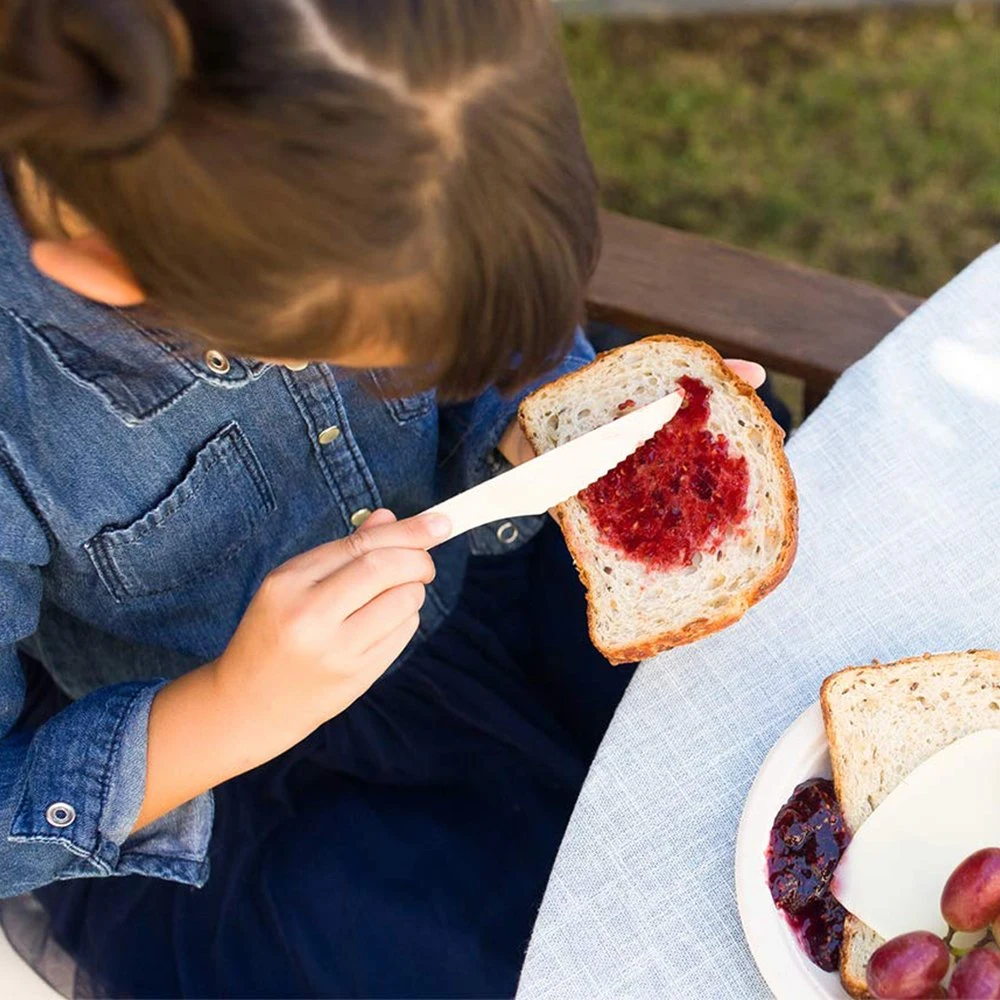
[971, 897]
[977, 976]
[908, 967]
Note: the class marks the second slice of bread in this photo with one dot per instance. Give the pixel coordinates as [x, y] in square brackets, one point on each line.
[636, 611]
[882, 722]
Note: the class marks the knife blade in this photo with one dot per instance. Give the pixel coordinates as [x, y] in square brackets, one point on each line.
[557, 475]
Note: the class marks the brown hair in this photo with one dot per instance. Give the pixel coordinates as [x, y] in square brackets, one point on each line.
[287, 178]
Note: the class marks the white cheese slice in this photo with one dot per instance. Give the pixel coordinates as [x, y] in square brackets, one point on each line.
[894, 869]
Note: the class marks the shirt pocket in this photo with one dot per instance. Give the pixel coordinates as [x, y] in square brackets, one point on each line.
[403, 409]
[410, 408]
[196, 530]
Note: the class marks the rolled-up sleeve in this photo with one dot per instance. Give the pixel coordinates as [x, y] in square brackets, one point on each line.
[470, 434]
[71, 789]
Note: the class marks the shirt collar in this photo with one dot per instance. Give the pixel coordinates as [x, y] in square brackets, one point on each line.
[101, 344]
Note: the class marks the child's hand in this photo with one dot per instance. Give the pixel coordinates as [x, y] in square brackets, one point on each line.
[327, 624]
[515, 448]
[320, 631]
[514, 445]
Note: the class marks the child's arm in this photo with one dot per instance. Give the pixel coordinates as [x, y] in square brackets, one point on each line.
[315, 637]
[319, 632]
[71, 783]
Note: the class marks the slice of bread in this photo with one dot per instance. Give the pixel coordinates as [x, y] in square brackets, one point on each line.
[634, 610]
[883, 721]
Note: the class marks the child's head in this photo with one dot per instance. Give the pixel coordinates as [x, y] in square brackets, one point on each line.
[321, 179]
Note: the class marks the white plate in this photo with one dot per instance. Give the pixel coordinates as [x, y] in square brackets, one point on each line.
[800, 754]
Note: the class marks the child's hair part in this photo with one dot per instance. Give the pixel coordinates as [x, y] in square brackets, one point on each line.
[289, 178]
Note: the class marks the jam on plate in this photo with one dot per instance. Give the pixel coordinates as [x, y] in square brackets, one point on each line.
[807, 840]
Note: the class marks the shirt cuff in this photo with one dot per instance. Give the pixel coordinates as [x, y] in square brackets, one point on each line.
[85, 783]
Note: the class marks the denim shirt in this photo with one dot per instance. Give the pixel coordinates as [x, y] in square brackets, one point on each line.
[144, 494]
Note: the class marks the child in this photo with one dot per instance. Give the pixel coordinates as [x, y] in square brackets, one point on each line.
[267, 268]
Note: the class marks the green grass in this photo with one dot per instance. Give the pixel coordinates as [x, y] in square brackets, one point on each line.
[865, 144]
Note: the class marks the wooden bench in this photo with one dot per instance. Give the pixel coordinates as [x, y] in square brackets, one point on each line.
[791, 319]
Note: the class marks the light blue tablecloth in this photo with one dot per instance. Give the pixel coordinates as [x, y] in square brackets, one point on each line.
[899, 480]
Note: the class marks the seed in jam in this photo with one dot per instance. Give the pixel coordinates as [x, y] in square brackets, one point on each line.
[807, 840]
[678, 494]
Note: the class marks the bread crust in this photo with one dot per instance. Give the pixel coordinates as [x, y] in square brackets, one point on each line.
[825, 700]
[701, 627]
[853, 928]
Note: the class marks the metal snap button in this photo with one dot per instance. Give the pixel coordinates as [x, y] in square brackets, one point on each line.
[329, 435]
[507, 533]
[359, 517]
[60, 814]
[217, 361]
[296, 366]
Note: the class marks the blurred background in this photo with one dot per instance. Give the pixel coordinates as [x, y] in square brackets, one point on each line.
[863, 141]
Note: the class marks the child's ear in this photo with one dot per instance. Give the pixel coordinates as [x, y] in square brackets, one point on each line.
[89, 266]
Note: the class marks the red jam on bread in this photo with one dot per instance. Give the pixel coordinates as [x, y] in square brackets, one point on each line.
[807, 840]
[679, 494]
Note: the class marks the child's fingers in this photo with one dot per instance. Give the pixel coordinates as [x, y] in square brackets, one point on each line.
[365, 578]
[386, 650]
[749, 371]
[378, 618]
[377, 518]
[514, 446]
[422, 532]
[323, 560]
